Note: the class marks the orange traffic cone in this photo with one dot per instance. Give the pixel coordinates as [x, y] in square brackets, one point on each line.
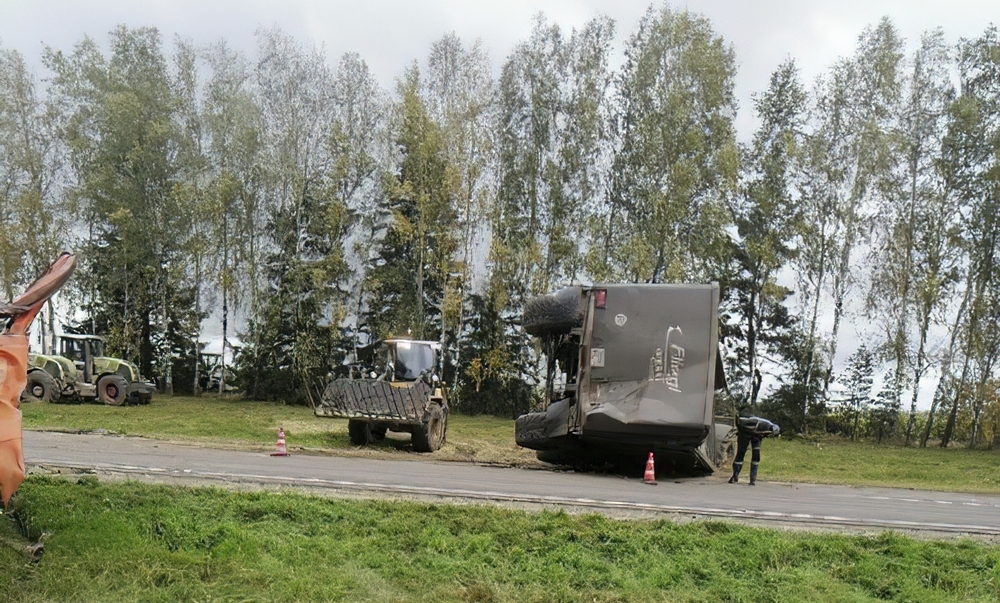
[650, 477]
[279, 448]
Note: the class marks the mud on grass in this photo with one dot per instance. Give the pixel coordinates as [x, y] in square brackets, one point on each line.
[129, 542]
[244, 425]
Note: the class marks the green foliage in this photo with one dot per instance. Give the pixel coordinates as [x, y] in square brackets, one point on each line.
[494, 377]
[408, 275]
[768, 222]
[858, 378]
[677, 159]
[293, 340]
[120, 129]
[30, 216]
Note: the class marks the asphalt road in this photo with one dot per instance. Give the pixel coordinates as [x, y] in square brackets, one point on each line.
[781, 503]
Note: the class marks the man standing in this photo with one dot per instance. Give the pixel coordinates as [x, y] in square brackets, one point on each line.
[751, 430]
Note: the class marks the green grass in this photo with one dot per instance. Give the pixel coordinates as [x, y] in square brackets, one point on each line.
[254, 426]
[135, 542]
[838, 461]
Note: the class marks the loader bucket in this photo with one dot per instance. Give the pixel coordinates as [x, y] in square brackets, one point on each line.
[14, 322]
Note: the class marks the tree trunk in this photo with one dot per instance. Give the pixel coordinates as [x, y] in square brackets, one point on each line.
[225, 330]
[225, 299]
[54, 345]
[813, 319]
[918, 371]
[945, 369]
[165, 362]
[195, 387]
[752, 340]
[905, 304]
[42, 332]
[977, 410]
[146, 346]
[950, 427]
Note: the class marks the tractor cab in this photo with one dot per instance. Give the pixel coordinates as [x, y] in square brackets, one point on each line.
[410, 360]
[82, 350]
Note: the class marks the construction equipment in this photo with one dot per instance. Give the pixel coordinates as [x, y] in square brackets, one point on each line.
[15, 318]
[81, 372]
[401, 392]
[631, 368]
[211, 370]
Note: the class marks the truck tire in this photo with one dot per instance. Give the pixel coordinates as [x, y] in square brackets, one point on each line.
[41, 386]
[554, 314]
[111, 390]
[431, 435]
[360, 432]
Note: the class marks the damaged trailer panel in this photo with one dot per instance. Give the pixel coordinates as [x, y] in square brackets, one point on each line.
[642, 368]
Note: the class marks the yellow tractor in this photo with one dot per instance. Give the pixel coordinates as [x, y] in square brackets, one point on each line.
[401, 392]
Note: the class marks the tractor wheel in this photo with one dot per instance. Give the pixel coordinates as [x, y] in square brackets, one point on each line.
[111, 390]
[360, 432]
[41, 386]
[431, 435]
[554, 314]
[378, 431]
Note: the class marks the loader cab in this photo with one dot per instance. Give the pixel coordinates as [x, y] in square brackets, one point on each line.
[81, 350]
[410, 360]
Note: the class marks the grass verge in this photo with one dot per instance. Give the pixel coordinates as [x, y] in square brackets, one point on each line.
[135, 542]
[838, 461]
[253, 426]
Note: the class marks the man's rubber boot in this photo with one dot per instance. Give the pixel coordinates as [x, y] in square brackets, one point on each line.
[737, 467]
[753, 474]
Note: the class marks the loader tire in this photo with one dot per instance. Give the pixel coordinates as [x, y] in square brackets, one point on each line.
[111, 389]
[554, 314]
[41, 386]
[360, 432]
[431, 435]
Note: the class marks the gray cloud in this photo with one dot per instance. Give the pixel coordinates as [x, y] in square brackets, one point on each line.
[390, 34]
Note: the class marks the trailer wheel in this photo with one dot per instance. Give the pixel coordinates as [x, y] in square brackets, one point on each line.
[111, 390]
[40, 386]
[378, 431]
[360, 432]
[554, 314]
[431, 435]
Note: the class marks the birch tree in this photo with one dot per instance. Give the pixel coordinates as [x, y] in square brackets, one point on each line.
[677, 159]
[767, 221]
[31, 216]
[910, 250]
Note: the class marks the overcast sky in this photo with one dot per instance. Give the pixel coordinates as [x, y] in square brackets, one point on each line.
[389, 34]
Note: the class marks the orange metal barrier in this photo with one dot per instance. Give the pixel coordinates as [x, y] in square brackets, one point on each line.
[14, 322]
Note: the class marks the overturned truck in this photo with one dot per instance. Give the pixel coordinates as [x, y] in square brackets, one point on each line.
[631, 368]
[402, 392]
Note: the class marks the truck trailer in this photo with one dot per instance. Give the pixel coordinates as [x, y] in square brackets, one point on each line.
[632, 368]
